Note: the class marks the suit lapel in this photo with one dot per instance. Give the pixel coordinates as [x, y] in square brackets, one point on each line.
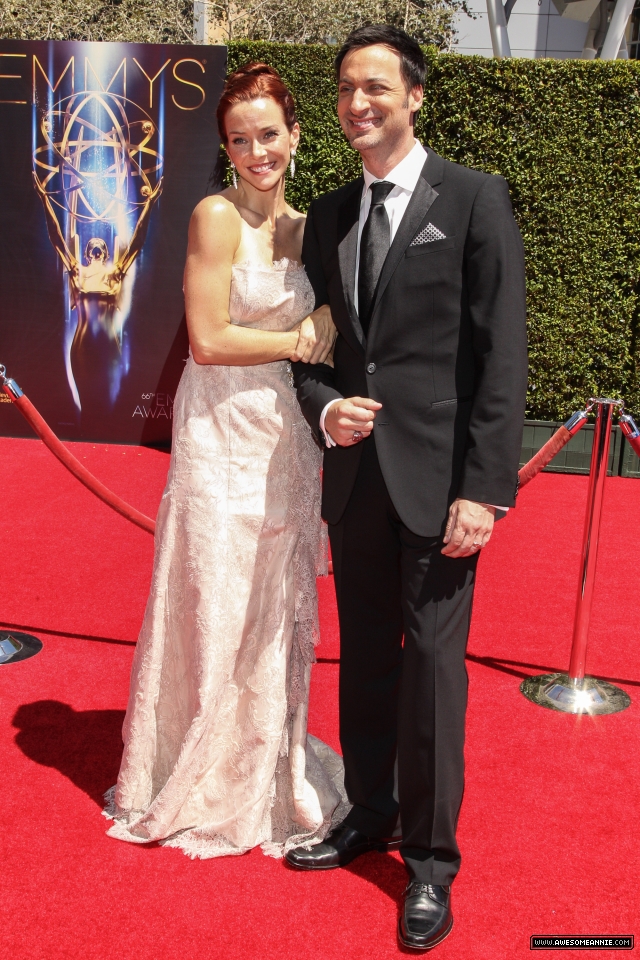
[348, 216]
[421, 200]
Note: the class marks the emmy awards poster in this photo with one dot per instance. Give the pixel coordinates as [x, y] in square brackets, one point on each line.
[105, 150]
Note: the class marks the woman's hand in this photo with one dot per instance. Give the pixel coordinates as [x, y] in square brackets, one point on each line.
[316, 336]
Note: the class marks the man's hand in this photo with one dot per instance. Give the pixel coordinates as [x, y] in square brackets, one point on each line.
[316, 336]
[469, 528]
[345, 418]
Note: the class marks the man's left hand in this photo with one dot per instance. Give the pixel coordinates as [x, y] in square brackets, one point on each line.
[469, 528]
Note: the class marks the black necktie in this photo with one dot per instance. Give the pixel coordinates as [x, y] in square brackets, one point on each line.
[374, 247]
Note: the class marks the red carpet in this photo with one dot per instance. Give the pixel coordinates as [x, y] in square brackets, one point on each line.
[549, 822]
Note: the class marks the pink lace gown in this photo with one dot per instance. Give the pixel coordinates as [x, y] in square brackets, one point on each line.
[217, 759]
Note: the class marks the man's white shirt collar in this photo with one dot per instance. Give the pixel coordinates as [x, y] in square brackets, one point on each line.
[406, 174]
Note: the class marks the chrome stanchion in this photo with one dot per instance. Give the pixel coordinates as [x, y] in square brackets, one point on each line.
[9, 647]
[17, 646]
[573, 692]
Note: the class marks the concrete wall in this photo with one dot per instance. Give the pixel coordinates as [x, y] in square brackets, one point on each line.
[535, 30]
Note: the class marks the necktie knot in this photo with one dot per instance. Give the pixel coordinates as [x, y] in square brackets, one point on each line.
[380, 190]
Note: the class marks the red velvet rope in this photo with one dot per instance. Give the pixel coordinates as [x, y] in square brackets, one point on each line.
[635, 444]
[74, 466]
[544, 456]
[530, 470]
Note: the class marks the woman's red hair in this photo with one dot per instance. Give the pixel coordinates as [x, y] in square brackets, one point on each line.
[250, 82]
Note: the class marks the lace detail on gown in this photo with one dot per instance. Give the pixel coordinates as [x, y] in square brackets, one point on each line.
[217, 758]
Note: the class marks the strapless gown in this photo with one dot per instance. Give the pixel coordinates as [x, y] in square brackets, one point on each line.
[217, 758]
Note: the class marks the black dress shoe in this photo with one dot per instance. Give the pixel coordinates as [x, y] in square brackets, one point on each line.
[338, 848]
[426, 917]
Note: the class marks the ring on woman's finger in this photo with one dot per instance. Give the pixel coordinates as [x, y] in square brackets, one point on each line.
[357, 435]
[476, 544]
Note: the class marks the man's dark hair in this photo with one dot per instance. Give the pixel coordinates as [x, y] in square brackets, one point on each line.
[413, 68]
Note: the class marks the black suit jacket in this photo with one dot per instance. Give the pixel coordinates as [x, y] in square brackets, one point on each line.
[446, 351]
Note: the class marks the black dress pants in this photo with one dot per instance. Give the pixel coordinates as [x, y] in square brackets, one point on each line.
[404, 613]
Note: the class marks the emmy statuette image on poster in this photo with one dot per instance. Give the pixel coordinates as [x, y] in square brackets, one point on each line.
[98, 177]
[106, 148]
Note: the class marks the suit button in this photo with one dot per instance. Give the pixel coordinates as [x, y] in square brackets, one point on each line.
[371, 368]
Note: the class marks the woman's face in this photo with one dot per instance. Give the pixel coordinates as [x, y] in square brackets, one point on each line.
[259, 141]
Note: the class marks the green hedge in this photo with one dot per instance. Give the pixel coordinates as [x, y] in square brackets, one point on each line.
[566, 135]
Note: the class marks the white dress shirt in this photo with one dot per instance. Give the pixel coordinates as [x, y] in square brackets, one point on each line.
[405, 176]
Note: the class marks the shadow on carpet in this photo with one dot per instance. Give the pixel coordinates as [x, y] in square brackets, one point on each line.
[85, 746]
[499, 663]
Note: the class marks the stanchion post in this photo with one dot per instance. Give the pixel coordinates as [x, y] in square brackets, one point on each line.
[590, 539]
[574, 692]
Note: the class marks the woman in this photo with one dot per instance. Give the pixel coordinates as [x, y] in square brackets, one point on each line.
[216, 755]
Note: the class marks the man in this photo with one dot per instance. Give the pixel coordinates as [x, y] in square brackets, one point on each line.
[422, 264]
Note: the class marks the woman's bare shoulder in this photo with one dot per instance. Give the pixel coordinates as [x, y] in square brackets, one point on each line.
[215, 228]
[296, 222]
[295, 214]
[218, 209]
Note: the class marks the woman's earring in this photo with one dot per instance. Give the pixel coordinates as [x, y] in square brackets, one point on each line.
[233, 174]
[293, 163]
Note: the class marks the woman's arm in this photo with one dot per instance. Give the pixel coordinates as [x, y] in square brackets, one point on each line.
[214, 237]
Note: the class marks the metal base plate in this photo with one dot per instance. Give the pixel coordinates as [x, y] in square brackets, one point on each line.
[557, 692]
[15, 646]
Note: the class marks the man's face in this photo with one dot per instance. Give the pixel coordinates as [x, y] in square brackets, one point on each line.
[374, 106]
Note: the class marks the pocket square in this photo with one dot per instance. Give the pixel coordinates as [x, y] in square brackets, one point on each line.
[427, 235]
